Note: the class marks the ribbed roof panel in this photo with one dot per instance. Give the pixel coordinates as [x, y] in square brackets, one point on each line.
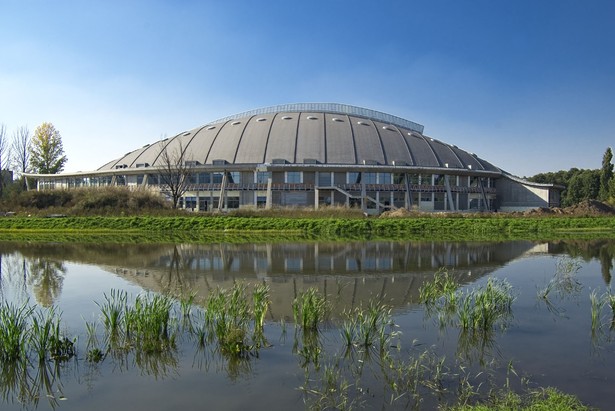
[335, 135]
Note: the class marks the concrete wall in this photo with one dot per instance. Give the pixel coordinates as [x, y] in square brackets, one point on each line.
[514, 196]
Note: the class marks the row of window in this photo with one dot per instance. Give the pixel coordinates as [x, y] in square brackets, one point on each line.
[324, 179]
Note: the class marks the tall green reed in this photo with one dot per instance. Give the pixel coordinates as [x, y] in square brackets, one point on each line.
[14, 332]
[310, 309]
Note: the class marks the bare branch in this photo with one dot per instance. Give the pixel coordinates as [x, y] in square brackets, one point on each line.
[21, 154]
[175, 171]
[4, 157]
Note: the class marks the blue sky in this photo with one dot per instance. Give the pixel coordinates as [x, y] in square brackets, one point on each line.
[527, 85]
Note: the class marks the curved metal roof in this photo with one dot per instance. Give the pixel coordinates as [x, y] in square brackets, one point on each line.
[324, 133]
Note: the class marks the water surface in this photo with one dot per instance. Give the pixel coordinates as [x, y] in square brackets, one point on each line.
[546, 342]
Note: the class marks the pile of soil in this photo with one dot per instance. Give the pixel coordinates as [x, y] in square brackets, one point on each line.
[590, 207]
[400, 212]
[586, 207]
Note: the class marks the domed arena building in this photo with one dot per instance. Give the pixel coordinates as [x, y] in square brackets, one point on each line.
[314, 155]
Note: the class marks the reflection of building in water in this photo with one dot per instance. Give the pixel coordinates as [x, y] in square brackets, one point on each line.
[347, 273]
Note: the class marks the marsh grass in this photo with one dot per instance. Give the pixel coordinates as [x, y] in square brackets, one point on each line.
[113, 310]
[147, 326]
[310, 309]
[228, 315]
[46, 339]
[597, 302]
[440, 295]
[564, 281]
[367, 327]
[483, 308]
[549, 398]
[186, 303]
[478, 309]
[14, 335]
[261, 302]
[236, 324]
[147, 323]
[330, 392]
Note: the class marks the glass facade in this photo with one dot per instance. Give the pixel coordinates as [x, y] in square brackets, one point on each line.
[293, 177]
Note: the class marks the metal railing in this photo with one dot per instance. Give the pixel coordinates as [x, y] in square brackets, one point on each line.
[329, 108]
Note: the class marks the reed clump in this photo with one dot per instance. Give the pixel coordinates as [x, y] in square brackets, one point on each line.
[27, 333]
[482, 308]
[310, 309]
[237, 325]
[441, 289]
[14, 334]
[369, 326]
[144, 324]
[479, 309]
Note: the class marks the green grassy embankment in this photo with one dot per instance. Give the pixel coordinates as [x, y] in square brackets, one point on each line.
[211, 228]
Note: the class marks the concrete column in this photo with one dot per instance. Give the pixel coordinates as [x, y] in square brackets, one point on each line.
[268, 203]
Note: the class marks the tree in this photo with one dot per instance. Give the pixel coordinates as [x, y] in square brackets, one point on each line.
[4, 156]
[175, 172]
[21, 153]
[46, 151]
[583, 186]
[606, 174]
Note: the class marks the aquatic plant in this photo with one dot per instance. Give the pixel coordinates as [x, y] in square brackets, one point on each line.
[14, 333]
[331, 392]
[147, 323]
[549, 398]
[228, 315]
[45, 338]
[185, 304]
[310, 309]
[113, 311]
[367, 326]
[610, 302]
[95, 355]
[597, 303]
[564, 280]
[481, 308]
[442, 286]
[261, 302]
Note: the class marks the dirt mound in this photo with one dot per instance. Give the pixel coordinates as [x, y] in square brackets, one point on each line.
[400, 212]
[589, 207]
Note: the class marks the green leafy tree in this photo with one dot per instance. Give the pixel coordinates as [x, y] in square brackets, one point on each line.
[583, 186]
[46, 150]
[606, 174]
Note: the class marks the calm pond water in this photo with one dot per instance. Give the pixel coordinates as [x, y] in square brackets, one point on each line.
[543, 342]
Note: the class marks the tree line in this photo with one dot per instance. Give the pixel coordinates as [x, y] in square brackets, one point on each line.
[22, 152]
[583, 184]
